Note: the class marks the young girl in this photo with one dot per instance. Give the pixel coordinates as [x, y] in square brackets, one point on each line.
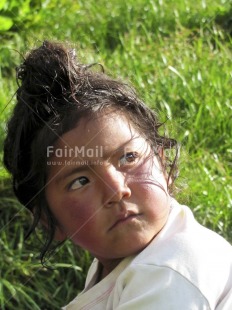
[88, 160]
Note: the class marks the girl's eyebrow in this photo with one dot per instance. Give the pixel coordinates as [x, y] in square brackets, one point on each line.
[86, 165]
[62, 176]
[121, 147]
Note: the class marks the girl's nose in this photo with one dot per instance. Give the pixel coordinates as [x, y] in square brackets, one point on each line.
[115, 187]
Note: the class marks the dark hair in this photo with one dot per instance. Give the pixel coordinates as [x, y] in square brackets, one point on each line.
[54, 92]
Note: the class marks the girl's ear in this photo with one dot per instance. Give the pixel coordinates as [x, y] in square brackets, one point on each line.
[162, 157]
[59, 233]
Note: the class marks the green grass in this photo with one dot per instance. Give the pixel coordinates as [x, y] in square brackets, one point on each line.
[178, 55]
[24, 283]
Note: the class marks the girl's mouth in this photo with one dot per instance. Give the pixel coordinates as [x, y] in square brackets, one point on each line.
[124, 219]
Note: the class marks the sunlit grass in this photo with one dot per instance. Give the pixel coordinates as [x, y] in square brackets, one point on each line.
[178, 55]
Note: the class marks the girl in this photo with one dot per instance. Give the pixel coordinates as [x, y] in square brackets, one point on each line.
[88, 160]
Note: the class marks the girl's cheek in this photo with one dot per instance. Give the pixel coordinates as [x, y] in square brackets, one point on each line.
[80, 223]
[78, 210]
[145, 171]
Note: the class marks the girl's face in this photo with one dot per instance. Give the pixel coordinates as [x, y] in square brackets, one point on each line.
[105, 188]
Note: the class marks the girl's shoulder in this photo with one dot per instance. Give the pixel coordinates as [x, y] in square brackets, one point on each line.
[184, 257]
[183, 238]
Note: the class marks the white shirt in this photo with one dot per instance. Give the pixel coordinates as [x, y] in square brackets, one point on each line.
[185, 267]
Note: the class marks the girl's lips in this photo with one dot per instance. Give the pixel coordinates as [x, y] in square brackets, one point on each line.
[124, 219]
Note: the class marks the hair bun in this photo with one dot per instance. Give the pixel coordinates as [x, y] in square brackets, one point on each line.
[46, 80]
[44, 70]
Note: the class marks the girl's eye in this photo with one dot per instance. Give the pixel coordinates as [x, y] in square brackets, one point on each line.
[78, 183]
[128, 158]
